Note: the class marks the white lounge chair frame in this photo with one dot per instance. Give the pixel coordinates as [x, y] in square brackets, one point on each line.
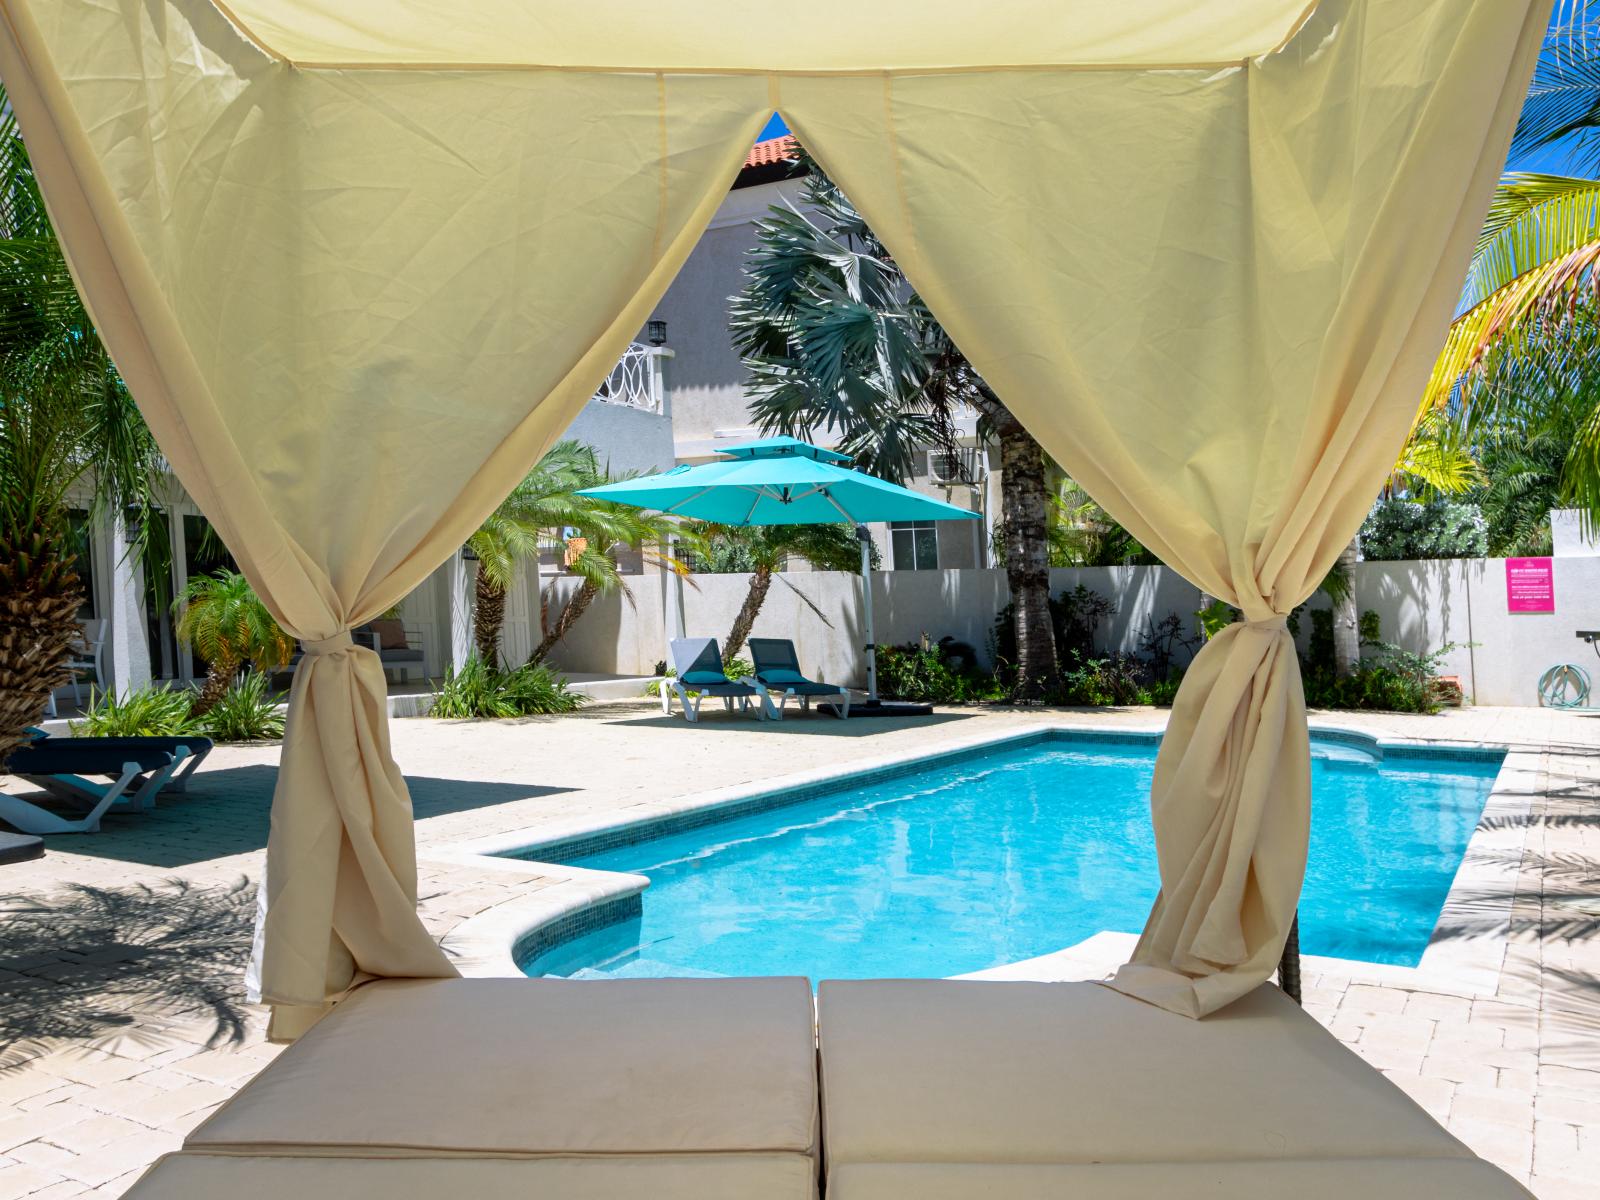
[841, 702]
[691, 700]
[30, 818]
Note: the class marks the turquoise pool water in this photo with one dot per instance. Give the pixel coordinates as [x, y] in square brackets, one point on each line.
[1011, 853]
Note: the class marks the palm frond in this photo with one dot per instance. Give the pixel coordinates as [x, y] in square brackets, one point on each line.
[1536, 261]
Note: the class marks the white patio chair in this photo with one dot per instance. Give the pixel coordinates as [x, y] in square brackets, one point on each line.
[87, 656]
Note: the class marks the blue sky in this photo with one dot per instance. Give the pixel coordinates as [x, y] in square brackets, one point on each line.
[1554, 160]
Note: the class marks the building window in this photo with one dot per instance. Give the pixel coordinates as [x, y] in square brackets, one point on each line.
[916, 545]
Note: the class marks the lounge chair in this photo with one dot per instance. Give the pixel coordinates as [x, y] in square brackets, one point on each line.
[190, 749]
[698, 664]
[525, 1089]
[942, 1089]
[778, 668]
[58, 765]
[19, 847]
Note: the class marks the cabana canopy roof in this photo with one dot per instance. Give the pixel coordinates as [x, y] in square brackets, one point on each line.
[1205, 252]
[738, 35]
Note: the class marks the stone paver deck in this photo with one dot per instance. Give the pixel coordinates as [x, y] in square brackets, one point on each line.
[122, 1016]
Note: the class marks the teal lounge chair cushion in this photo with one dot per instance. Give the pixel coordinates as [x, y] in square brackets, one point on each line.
[706, 677]
[783, 677]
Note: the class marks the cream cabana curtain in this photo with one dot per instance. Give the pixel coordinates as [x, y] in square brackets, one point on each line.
[361, 262]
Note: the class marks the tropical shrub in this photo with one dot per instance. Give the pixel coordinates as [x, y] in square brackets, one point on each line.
[1075, 618]
[1405, 529]
[478, 690]
[1393, 679]
[940, 672]
[1162, 642]
[1110, 682]
[1217, 616]
[1163, 692]
[247, 712]
[152, 711]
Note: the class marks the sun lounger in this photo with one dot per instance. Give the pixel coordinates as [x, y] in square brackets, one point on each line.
[59, 765]
[19, 847]
[952, 1088]
[538, 1089]
[778, 668]
[194, 749]
[698, 664]
[934, 1089]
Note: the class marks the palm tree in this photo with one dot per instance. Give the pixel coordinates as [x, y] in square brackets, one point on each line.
[224, 621]
[765, 548]
[837, 341]
[1082, 534]
[1523, 354]
[610, 526]
[65, 419]
[532, 516]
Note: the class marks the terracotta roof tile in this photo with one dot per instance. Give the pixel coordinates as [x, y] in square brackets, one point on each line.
[769, 152]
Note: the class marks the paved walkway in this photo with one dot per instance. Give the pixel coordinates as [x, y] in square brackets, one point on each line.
[123, 1023]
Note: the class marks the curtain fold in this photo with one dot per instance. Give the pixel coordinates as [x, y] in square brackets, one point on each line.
[1214, 297]
[354, 310]
[355, 303]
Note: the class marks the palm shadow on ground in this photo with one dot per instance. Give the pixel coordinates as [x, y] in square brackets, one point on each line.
[118, 968]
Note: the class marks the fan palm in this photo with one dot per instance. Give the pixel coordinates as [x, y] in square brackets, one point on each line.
[223, 620]
[765, 548]
[836, 341]
[65, 420]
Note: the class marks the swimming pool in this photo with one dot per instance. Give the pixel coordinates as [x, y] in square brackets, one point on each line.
[1009, 852]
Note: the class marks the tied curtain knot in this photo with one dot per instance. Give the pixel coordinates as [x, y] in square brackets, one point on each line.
[316, 647]
[1276, 623]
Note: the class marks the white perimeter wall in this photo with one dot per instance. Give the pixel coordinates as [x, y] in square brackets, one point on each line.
[1421, 606]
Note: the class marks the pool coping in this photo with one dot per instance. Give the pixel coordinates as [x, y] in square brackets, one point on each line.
[579, 899]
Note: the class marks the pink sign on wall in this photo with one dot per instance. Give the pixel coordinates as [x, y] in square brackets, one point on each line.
[1530, 585]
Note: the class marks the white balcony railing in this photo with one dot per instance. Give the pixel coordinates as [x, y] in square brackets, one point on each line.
[638, 379]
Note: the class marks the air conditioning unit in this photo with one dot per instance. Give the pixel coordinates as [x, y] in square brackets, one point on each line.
[948, 465]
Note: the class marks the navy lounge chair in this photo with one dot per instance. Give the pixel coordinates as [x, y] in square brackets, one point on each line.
[778, 668]
[191, 748]
[698, 663]
[136, 770]
[19, 847]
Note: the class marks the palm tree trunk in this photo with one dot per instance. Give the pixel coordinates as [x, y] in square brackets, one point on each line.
[488, 617]
[40, 594]
[581, 599]
[1346, 617]
[219, 678]
[760, 582]
[1024, 505]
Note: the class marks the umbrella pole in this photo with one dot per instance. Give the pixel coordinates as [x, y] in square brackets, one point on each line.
[673, 597]
[866, 599]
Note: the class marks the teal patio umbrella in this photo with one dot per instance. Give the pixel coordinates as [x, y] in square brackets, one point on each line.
[782, 481]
